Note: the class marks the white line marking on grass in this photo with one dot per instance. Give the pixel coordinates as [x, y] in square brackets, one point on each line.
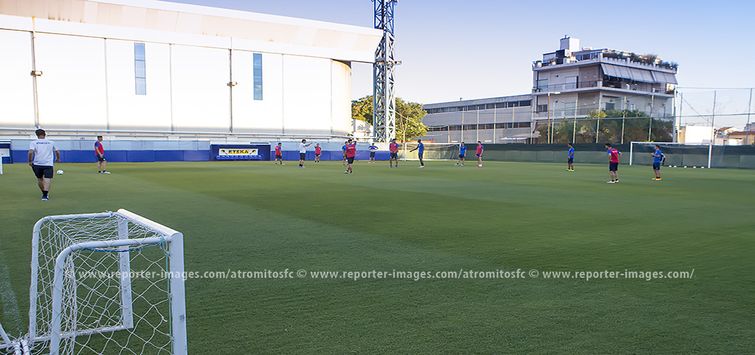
[10, 304]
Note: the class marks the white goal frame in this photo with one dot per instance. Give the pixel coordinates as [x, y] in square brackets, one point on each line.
[405, 150]
[710, 149]
[168, 239]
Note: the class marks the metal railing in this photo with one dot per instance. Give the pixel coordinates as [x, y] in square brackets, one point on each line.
[568, 86]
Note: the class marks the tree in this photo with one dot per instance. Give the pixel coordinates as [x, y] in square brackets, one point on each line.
[637, 125]
[408, 116]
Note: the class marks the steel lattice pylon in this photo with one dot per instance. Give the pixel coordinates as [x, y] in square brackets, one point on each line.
[384, 99]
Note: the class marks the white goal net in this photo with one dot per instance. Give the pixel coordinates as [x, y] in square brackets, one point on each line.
[433, 151]
[676, 154]
[105, 283]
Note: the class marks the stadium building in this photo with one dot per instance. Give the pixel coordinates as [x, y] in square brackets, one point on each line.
[568, 83]
[151, 69]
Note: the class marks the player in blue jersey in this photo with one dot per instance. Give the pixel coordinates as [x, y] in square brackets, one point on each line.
[570, 158]
[420, 152]
[658, 158]
[373, 149]
[462, 154]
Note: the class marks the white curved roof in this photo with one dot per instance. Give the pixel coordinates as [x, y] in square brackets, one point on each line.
[161, 21]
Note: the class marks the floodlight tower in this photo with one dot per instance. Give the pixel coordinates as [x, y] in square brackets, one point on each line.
[383, 96]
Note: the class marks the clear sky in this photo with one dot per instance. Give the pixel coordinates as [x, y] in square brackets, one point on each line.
[484, 48]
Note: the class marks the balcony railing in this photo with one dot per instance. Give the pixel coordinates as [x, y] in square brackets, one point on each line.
[643, 88]
[567, 86]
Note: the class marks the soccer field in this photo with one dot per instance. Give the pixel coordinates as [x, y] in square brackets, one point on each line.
[507, 216]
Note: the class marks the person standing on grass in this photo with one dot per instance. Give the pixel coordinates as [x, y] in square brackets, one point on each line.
[373, 149]
[658, 158]
[613, 163]
[318, 151]
[279, 154]
[393, 149]
[462, 154]
[343, 151]
[351, 153]
[99, 151]
[420, 152]
[570, 158]
[303, 152]
[41, 161]
[478, 153]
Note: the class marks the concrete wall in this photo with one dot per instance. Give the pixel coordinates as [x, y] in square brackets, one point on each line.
[85, 51]
[588, 75]
[89, 83]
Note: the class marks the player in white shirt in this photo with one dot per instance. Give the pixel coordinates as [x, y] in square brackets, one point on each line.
[303, 152]
[42, 157]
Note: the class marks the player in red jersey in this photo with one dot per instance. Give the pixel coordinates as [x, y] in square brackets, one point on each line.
[99, 152]
[613, 163]
[279, 153]
[318, 151]
[478, 153]
[393, 148]
[351, 153]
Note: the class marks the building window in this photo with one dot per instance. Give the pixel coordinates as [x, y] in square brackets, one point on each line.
[140, 69]
[610, 106]
[257, 68]
[542, 84]
[542, 108]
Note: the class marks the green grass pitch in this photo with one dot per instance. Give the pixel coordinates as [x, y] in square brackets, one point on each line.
[256, 216]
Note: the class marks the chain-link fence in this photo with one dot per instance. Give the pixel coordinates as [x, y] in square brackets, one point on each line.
[609, 129]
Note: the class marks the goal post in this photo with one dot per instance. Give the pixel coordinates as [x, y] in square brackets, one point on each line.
[676, 154]
[109, 282]
[433, 151]
[4, 337]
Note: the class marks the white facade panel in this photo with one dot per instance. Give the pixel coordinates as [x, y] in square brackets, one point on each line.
[201, 97]
[340, 97]
[16, 91]
[86, 54]
[258, 116]
[306, 93]
[72, 88]
[126, 110]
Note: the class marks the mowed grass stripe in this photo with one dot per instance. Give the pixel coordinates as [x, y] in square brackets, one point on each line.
[509, 215]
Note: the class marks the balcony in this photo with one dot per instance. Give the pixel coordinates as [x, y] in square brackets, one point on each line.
[656, 88]
[631, 59]
[608, 83]
[567, 86]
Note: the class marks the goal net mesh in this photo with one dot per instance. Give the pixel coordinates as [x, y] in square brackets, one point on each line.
[114, 299]
[675, 154]
[433, 151]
